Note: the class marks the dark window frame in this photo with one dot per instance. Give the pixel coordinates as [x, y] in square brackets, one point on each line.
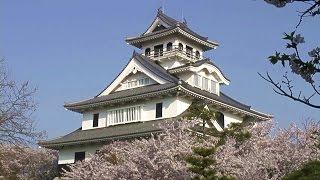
[79, 156]
[197, 54]
[169, 46]
[189, 51]
[159, 109]
[158, 50]
[95, 122]
[180, 47]
[147, 52]
[220, 120]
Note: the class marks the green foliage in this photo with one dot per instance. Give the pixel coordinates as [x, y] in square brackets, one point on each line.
[311, 171]
[203, 161]
[202, 164]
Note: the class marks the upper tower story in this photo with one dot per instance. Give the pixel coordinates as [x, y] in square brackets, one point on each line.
[171, 43]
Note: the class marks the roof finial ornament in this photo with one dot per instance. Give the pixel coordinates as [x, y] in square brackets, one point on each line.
[185, 21]
[162, 6]
[160, 9]
[182, 17]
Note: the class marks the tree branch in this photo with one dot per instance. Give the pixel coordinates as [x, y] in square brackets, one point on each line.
[279, 90]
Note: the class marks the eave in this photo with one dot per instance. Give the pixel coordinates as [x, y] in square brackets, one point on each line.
[248, 112]
[76, 107]
[138, 41]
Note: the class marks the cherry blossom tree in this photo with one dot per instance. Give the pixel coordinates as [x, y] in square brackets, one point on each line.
[18, 157]
[22, 163]
[158, 157]
[17, 105]
[269, 153]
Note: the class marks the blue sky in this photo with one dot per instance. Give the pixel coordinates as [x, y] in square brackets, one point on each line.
[70, 50]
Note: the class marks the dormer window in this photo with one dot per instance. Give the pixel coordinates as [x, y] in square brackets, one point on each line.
[180, 47]
[213, 86]
[197, 54]
[147, 52]
[197, 80]
[169, 46]
[205, 83]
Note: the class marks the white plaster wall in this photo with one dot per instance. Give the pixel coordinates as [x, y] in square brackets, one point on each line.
[169, 108]
[172, 107]
[87, 121]
[182, 105]
[228, 119]
[163, 41]
[187, 77]
[171, 64]
[231, 118]
[66, 156]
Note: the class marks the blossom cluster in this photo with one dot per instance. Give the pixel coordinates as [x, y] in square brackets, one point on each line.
[270, 153]
[19, 162]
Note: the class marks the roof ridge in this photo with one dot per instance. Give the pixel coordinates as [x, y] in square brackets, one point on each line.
[171, 20]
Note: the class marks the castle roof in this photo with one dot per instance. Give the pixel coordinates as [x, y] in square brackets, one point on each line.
[103, 135]
[170, 26]
[173, 86]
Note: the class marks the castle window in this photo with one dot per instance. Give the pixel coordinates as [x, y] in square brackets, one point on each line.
[220, 119]
[79, 156]
[139, 82]
[124, 115]
[169, 46]
[197, 54]
[205, 83]
[95, 120]
[158, 110]
[213, 86]
[147, 52]
[158, 50]
[189, 51]
[197, 80]
[180, 47]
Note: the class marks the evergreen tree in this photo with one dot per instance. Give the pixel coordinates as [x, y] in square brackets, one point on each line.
[202, 162]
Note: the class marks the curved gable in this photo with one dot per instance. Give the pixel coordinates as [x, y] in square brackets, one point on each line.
[212, 69]
[140, 64]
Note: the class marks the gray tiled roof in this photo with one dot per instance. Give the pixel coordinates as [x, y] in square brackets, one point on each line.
[173, 24]
[124, 94]
[223, 98]
[107, 134]
[156, 90]
[149, 64]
